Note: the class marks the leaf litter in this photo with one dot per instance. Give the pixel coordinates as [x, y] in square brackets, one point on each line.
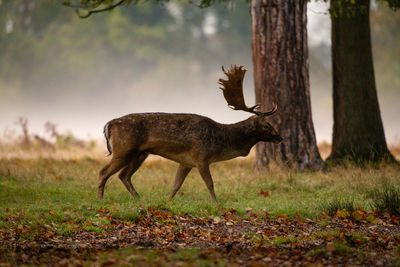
[159, 237]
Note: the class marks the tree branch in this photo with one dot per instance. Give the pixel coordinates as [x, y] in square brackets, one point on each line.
[82, 6]
[90, 12]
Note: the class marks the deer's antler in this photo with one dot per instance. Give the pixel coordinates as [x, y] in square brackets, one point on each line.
[233, 91]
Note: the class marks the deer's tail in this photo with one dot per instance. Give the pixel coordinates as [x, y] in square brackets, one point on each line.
[107, 135]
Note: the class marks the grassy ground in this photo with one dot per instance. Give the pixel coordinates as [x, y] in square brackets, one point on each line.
[62, 194]
[40, 185]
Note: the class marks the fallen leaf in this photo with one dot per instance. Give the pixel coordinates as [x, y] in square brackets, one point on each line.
[248, 210]
[52, 212]
[264, 193]
[349, 225]
[216, 219]
[329, 237]
[357, 215]
[330, 247]
[342, 213]
[283, 216]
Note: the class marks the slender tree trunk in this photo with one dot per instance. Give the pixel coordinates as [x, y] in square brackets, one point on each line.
[357, 130]
[280, 59]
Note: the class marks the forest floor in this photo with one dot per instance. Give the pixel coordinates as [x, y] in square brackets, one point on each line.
[49, 215]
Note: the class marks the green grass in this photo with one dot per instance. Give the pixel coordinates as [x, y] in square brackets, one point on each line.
[332, 206]
[59, 191]
[284, 240]
[146, 257]
[386, 199]
[341, 248]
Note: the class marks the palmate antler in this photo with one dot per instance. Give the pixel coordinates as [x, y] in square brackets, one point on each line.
[233, 91]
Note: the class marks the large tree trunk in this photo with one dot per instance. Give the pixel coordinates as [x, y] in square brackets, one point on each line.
[357, 130]
[280, 59]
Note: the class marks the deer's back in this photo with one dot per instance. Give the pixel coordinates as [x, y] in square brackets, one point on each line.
[177, 126]
[169, 134]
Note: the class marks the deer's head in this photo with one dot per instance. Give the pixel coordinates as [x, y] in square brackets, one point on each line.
[233, 92]
[265, 131]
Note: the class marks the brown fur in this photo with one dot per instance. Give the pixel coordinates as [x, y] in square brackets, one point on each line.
[189, 139]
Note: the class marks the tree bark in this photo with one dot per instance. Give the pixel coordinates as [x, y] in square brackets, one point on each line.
[358, 133]
[280, 60]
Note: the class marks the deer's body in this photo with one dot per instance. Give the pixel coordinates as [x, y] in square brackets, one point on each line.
[184, 138]
[189, 139]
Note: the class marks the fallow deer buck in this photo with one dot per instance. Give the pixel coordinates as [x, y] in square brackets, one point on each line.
[189, 139]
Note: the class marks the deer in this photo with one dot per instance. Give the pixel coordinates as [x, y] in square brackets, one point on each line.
[192, 140]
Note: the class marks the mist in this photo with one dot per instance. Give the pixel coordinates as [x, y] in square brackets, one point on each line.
[79, 73]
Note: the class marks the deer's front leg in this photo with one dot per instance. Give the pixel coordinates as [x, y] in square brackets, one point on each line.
[204, 171]
[179, 179]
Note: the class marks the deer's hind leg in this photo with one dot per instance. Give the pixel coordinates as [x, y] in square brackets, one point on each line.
[111, 168]
[126, 174]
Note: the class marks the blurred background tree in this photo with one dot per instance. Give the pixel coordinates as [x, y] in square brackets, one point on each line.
[50, 49]
[358, 133]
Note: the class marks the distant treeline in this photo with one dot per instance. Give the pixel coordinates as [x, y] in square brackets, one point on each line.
[44, 44]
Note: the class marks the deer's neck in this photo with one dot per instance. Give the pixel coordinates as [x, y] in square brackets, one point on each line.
[241, 136]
